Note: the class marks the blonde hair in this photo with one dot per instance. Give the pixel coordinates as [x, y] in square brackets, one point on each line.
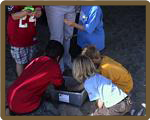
[83, 67]
[91, 52]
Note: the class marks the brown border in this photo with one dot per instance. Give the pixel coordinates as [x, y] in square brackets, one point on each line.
[66, 3]
[74, 0]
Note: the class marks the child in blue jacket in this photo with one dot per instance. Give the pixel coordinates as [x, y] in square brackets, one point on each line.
[91, 31]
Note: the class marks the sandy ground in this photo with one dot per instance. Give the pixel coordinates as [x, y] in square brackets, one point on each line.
[125, 42]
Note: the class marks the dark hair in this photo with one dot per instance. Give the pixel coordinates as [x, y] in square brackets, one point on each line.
[54, 49]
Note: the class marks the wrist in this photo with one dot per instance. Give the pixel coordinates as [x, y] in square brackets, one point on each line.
[75, 25]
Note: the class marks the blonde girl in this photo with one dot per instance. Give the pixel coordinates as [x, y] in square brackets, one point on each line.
[110, 99]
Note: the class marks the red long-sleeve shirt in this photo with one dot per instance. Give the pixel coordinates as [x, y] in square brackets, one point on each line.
[21, 32]
[24, 95]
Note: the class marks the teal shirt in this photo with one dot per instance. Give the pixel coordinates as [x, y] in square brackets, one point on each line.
[99, 87]
[91, 17]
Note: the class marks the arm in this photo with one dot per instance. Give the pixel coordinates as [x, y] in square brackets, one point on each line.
[16, 12]
[73, 24]
[38, 12]
[19, 15]
[94, 18]
[57, 77]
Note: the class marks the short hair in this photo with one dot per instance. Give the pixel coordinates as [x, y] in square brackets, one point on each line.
[83, 67]
[90, 51]
[54, 49]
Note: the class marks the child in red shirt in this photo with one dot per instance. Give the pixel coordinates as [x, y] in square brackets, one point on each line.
[21, 31]
[25, 94]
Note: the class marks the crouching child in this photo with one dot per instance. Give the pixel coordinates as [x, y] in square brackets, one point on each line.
[25, 94]
[110, 100]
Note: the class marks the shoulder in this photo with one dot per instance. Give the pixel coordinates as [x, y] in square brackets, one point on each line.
[42, 58]
[95, 8]
[10, 7]
[109, 60]
[13, 8]
[92, 79]
[37, 61]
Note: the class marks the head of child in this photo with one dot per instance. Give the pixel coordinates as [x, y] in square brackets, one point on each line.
[83, 67]
[54, 49]
[93, 53]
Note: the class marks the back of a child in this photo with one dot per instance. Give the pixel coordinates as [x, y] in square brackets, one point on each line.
[114, 71]
[110, 68]
[110, 99]
[25, 94]
[116, 102]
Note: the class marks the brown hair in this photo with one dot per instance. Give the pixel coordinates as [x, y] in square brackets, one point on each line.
[83, 67]
[91, 52]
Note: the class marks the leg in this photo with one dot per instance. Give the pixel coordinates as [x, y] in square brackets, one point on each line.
[101, 112]
[46, 108]
[19, 69]
[32, 52]
[20, 57]
[55, 20]
[119, 109]
[67, 37]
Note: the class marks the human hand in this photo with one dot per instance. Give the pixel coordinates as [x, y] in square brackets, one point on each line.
[29, 10]
[37, 12]
[30, 13]
[70, 23]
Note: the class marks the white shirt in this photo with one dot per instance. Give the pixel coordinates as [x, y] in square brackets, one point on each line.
[99, 87]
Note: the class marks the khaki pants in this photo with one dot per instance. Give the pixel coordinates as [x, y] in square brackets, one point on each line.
[59, 30]
[119, 109]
